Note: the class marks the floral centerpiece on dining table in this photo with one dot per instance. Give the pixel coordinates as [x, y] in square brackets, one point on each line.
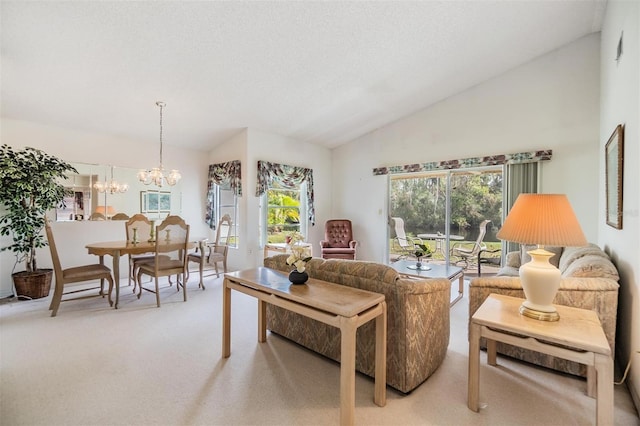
[298, 258]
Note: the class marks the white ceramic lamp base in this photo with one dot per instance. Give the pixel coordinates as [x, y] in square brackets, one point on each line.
[540, 282]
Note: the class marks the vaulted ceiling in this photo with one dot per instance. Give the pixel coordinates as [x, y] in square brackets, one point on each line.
[322, 72]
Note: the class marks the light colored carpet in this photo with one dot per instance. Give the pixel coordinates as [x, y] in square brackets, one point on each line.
[142, 365]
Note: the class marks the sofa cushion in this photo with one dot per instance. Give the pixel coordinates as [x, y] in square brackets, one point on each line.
[592, 266]
[526, 258]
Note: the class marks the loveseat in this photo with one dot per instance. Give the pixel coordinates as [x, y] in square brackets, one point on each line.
[417, 319]
[589, 281]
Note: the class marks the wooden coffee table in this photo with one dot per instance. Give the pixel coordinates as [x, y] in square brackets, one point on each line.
[344, 307]
[449, 272]
[577, 336]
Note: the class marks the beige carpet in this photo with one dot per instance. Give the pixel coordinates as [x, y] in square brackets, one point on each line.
[140, 365]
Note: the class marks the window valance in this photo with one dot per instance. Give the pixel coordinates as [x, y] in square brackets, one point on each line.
[290, 177]
[489, 160]
[228, 173]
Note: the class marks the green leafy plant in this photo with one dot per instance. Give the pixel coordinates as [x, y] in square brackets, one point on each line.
[422, 250]
[29, 187]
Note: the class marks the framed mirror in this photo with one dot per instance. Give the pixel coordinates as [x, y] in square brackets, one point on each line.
[105, 192]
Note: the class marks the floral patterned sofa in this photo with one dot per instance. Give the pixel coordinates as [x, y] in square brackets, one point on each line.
[417, 319]
[589, 281]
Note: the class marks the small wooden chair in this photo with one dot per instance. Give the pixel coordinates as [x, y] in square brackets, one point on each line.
[213, 253]
[120, 216]
[172, 238]
[143, 231]
[75, 275]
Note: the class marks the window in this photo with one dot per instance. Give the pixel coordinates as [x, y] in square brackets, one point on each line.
[226, 202]
[286, 200]
[283, 212]
[224, 186]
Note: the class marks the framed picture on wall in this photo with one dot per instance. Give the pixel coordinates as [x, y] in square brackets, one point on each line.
[155, 202]
[614, 157]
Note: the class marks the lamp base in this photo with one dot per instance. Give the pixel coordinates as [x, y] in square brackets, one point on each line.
[538, 315]
[540, 282]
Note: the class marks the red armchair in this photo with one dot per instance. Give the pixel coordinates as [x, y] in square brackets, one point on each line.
[338, 240]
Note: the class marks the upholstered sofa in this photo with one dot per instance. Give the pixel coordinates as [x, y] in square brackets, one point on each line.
[589, 281]
[417, 319]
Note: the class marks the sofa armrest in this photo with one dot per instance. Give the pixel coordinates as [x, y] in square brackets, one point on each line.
[353, 244]
[324, 244]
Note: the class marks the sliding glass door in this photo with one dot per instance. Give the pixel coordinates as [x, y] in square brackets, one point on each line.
[447, 208]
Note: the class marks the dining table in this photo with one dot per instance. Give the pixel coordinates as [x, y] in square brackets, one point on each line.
[115, 249]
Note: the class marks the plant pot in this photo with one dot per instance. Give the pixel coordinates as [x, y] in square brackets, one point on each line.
[298, 277]
[33, 285]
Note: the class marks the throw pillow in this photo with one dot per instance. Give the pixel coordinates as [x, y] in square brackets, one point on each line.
[571, 254]
[592, 266]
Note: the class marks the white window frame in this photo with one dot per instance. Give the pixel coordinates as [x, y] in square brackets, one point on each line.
[218, 189]
[264, 212]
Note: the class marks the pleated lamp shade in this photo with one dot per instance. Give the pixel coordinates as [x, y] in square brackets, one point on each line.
[543, 219]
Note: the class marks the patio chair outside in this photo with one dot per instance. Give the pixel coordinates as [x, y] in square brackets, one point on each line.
[468, 254]
[403, 244]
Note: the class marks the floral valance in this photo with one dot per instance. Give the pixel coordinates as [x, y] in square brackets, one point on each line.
[228, 173]
[290, 177]
[489, 160]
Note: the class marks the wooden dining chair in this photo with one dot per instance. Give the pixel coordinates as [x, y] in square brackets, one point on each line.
[142, 227]
[213, 252]
[73, 275]
[172, 237]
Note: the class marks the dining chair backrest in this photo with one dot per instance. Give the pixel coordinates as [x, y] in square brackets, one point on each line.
[120, 216]
[57, 266]
[97, 216]
[172, 237]
[224, 231]
[141, 223]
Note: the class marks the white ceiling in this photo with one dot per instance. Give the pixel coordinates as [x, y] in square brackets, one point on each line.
[322, 72]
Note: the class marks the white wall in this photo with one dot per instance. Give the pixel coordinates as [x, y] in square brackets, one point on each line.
[620, 82]
[278, 149]
[549, 103]
[77, 146]
[236, 149]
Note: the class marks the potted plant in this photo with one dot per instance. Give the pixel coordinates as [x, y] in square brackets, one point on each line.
[30, 185]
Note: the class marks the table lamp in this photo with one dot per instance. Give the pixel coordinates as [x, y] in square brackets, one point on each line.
[544, 220]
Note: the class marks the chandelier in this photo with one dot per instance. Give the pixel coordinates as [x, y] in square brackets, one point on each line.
[157, 174]
[112, 186]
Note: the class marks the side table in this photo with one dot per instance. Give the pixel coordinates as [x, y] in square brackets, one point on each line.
[577, 336]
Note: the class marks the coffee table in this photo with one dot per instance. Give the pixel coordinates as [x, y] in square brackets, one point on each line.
[344, 307]
[436, 271]
[577, 336]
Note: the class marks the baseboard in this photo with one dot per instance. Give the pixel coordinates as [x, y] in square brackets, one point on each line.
[635, 396]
